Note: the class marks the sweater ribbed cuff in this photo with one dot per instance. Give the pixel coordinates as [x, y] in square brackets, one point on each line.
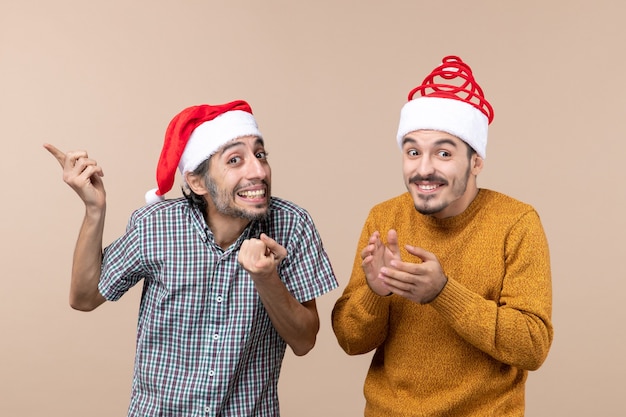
[452, 300]
[371, 302]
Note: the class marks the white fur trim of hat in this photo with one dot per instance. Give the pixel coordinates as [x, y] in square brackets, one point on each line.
[210, 136]
[447, 115]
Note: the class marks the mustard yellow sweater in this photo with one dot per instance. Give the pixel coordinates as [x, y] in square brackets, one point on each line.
[468, 352]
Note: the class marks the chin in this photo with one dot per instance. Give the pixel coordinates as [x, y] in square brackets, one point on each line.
[258, 214]
[426, 211]
[430, 210]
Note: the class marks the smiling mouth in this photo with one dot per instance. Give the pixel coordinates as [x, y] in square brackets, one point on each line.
[252, 194]
[427, 187]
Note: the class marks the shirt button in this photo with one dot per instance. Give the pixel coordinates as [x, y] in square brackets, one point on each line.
[216, 336]
[211, 372]
[219, 299]
[207, 409]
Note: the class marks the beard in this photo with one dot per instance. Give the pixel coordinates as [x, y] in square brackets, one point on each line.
[430, 207]
[225, 203]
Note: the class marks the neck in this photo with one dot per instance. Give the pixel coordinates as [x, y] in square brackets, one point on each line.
[226, 229]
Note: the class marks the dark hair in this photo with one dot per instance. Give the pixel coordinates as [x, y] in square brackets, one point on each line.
[194, 199]
[470, 151]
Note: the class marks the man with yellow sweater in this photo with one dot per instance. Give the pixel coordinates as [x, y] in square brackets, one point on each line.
[451, 284]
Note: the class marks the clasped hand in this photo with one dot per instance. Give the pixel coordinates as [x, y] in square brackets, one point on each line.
[387, 273]
[261, 257]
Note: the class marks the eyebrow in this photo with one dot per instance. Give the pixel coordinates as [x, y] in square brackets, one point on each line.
[236, 142]
[446, 142]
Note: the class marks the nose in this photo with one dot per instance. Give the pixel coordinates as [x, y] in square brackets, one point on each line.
[256, 169]
[424, 166]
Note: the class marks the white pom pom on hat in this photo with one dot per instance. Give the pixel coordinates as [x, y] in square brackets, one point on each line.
[458, 108]
[194, 135]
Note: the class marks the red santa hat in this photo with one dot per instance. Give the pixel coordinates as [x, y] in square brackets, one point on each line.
[194, 135]
[451, 101]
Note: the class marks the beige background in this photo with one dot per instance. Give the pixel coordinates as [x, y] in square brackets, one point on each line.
[326, 80]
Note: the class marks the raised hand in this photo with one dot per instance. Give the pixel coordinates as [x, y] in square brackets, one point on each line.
[418, 282]
[376, 256]
[85, 177]
[82, 174]
[261, 257]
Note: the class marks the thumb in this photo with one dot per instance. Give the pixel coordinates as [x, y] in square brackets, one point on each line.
[421, 253]
[392, 242]
[273, 246]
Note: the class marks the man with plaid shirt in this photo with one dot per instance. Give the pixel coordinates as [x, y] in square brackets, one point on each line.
[230, 273]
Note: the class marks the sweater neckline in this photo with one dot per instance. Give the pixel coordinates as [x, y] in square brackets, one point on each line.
[462, 218]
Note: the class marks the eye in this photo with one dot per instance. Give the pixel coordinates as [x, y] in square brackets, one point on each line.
[444, 154]
[261, 155]
[234, 160]
[412, 152]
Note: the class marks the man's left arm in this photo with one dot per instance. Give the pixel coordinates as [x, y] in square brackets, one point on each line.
[517, 328]
[297, 323]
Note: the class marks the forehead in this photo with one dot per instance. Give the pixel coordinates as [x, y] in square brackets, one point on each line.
[431, 138]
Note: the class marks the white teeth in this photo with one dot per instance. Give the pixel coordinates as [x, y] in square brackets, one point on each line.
[252, 194]
[427, 187]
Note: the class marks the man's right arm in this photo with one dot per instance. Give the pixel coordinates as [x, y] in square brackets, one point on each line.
[360, 316]
[83, 175]
[87, 263]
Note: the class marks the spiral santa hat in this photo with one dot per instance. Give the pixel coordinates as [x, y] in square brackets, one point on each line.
[450, 100]
[194, 135]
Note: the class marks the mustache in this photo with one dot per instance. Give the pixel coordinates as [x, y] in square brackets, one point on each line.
[428, 178]
[252, 184]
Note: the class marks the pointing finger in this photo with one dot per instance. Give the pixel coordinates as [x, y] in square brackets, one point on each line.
[59, 155]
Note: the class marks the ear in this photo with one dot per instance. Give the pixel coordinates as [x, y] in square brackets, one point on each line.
[477, 164]
[196, 183]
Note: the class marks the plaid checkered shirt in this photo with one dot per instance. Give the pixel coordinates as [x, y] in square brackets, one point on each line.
[205, 344]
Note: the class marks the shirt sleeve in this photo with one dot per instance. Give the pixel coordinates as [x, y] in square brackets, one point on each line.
[307, 271]
[121, 265]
